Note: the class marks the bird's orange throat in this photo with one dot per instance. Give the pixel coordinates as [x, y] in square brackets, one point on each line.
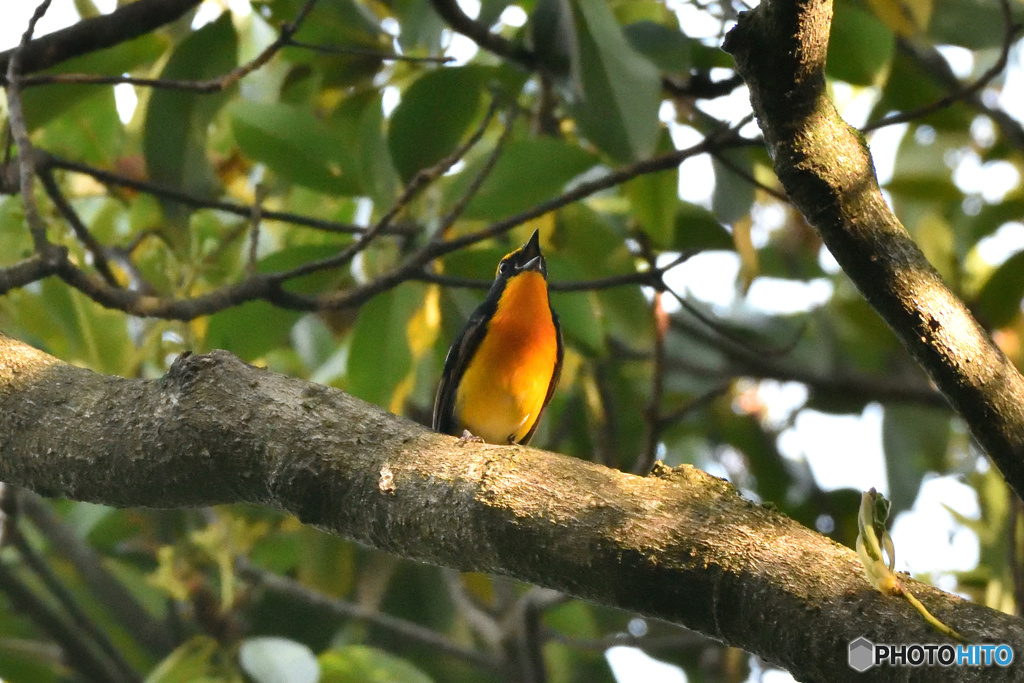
[502, 392]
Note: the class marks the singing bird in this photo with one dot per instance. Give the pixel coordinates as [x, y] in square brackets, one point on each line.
[503, 367]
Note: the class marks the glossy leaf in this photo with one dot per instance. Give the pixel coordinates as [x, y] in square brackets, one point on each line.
[999, 301]
[654, 198]
[734, 193]
[295, 144]
[176, 128]
[666, 48]
[621, 90]
[527, 173]
[362, 664]
[860, 46]
[424, 127]
[698, 228]
[381, 333]
[915, 440]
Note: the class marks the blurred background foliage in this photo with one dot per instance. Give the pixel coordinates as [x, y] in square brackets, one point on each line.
[334, 132]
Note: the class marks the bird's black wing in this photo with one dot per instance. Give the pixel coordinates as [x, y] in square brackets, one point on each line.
[459, 355]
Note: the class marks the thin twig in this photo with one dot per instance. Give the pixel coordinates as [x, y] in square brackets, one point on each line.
[19, 130]
[478, 181]
[419, 181]
[92, 245]
[368, 52]
[964, 93]
[207, 86]
[269, 287]
[182, 197]
[652, 414]
[694, 403]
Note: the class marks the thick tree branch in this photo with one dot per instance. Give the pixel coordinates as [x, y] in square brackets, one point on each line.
[827, 171]
[679, 545]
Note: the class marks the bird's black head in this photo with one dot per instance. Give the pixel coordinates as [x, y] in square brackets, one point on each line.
[524, 259]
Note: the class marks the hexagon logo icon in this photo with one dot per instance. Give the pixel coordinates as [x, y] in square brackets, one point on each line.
[862, 654]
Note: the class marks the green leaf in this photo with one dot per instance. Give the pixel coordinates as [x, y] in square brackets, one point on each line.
[621, 90]
[527, 173]
[425, 127]
[909, 86]
[278, 660]
[654, 198]
[993, 216]
[668, 49]
[340, 24]
[974, 24]
[553, 34]
[998, 303]
[43, 104]
[860, 47]
[733, 194]
[194, 660]
[380, 180]
[175, 133]
[915, 440]
[698, 228]
[294, 144]
[379, 357]
[362, 664]
[89, 130]
[250, 330]
[580, 316]
[422, 28]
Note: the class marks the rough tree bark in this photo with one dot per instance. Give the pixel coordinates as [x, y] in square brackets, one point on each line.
[678, 545]
[827, 171]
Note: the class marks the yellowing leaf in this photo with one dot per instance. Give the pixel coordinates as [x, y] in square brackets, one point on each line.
[906, 18]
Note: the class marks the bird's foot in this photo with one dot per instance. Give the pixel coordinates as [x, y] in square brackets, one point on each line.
[469, 437]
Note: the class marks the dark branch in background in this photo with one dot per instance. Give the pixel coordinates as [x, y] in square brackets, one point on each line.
[269, 287]
[406, 631]
[123, 24]
[77, 651]
[47, 160]
[930, 58]
[459, 21]
[828, 173]
[95, 249]
[652, 413]
[108, 589]
[368, 52]
[700, 86]
[208, 86]
[69, 605]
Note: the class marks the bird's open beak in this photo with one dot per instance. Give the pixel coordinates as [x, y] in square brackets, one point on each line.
[531, 256]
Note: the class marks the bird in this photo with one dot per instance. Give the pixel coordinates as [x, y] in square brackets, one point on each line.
[503, 367]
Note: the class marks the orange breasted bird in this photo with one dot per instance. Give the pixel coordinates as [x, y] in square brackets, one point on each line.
[503, 367]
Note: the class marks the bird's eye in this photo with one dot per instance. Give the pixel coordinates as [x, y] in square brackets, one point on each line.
[504, 267]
